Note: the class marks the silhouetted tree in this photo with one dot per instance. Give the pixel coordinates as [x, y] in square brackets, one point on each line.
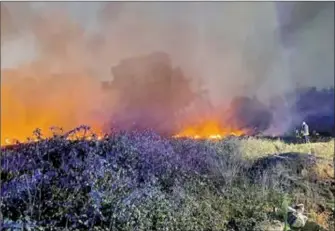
[151, 91]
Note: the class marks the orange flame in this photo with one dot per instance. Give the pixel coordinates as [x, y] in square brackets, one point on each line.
[209, 130]
[72, 137]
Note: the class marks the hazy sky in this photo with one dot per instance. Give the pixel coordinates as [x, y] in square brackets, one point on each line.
[251, 47]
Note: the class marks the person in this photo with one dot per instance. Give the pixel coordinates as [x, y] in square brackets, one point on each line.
[296, 218]
[305, 132]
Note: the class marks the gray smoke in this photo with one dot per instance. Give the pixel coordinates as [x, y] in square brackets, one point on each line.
[255, 49]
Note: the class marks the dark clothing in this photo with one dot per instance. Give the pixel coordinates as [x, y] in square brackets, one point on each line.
[291, 218]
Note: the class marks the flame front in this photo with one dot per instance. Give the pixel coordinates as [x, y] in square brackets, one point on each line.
[208, 130]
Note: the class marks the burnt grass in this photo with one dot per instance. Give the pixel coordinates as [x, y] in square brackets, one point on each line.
[141, 181]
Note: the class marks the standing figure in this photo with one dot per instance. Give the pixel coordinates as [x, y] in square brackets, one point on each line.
[305, 132]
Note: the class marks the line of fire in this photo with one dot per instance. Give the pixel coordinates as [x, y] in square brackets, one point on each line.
[146, 92]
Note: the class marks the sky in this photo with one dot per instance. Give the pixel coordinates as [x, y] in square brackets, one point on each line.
[255, 48]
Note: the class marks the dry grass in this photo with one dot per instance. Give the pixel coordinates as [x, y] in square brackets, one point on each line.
[321, 219]
[324, 171]
[253, 148]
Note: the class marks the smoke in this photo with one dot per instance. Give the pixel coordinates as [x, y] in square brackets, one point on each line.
[233, 48]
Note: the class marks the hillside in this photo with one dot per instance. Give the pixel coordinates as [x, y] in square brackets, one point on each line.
[141, 181]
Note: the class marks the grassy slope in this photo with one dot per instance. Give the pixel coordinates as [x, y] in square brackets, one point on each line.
[255, 148]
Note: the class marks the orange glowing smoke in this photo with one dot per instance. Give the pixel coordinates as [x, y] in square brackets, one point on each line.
[209, 130]
[58, 87]
[31, 100]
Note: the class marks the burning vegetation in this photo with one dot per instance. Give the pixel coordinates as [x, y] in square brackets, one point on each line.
[62, 87]
[146, 93]
[209, 130]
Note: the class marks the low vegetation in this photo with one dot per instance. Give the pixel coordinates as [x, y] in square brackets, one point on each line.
[141, 181]
[255, 147]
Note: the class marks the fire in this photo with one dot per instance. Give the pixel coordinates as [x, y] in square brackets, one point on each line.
[36, 99]
[8, 141]
[72, 137]
[209, 130]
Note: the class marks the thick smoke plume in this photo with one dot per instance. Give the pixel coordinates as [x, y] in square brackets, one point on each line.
[55, 55]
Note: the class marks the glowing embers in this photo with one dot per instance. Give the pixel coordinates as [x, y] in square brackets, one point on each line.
[208, 130]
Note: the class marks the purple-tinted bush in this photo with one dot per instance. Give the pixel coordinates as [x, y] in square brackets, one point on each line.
[126, 181]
